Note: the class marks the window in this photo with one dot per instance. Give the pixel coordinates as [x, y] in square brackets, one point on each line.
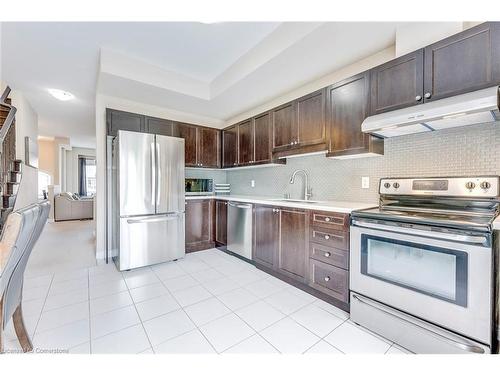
[44, 180]
[86, 176]
[90, 177]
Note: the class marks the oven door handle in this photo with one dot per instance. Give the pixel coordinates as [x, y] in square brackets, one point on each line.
[461, 345]
[416, 232]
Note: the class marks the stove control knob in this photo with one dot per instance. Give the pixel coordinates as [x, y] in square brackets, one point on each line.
[395, 185]
[485, 185]
[470, 185]
[387, 185]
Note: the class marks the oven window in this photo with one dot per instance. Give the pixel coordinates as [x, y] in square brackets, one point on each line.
[435, 271]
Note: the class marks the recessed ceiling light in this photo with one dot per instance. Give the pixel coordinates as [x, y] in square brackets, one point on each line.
[61, 95]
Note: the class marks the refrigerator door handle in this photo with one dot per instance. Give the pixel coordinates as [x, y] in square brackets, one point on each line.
[153, 175]
[154, 219]
[158, 179]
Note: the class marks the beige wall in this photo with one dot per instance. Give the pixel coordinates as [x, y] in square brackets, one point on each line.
[47, 159]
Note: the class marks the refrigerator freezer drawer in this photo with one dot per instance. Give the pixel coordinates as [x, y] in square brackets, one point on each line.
[147, 240]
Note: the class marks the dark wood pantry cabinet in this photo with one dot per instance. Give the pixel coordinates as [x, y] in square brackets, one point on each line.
[201, 145]
[347, 107]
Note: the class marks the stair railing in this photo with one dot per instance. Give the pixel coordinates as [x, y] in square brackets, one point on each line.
[10, 117]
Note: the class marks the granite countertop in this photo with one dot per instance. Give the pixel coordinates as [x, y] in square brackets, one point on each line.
[332, 206]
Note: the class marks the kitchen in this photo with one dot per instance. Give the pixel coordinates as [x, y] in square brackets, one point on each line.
[261, 189]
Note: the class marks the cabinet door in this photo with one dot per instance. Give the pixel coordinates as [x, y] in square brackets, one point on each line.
[158, 126]
[198, 225]
[230, 147]
[347, 108]
[119, 120]
[262, 138]
[311, 125]
[221, 222]
[246, 142]
[464, 62]
[397, 83]
[284, 126]
[266, 240]
[293, 252]
[189, 133]
[208, 147]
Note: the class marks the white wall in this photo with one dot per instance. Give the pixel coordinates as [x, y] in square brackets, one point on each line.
[26, 122]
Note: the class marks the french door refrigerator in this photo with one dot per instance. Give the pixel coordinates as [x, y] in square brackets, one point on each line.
[148, 192]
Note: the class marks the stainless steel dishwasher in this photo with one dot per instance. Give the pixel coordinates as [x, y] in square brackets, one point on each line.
[239, 229]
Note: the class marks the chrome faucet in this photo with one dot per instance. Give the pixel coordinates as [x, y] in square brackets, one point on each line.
[307, 189]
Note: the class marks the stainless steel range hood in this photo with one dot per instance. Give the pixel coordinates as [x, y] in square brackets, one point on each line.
[467, 109]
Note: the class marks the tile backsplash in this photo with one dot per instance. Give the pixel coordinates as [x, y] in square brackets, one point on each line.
[471, 150]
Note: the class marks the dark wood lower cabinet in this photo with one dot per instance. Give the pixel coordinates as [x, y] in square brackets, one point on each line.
[266, 235]
[293, 244]
[221, 222]
[199, 225]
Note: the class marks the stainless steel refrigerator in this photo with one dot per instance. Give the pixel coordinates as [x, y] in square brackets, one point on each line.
[148, 196]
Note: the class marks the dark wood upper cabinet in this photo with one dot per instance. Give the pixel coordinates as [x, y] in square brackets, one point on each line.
[246, 138]
[348, 104]
[208, 153]
[311, 125]
[284, 127]
[158, 126]
[463, 62]
[230, 147]
[262, 138]
[293, 254]
[189, 133]
[221, 222]
[120, 120]
[266, 236]
[397, 83]
[199, 225]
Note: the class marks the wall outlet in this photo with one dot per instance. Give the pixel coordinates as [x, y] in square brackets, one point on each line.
[365, 182]
[252, 183]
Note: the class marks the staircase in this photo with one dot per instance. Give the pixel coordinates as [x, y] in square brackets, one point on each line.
[10, 167]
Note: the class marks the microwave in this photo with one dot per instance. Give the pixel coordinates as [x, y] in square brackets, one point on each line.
[199, 186]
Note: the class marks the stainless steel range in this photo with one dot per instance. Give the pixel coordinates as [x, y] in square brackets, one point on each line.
[422, 264]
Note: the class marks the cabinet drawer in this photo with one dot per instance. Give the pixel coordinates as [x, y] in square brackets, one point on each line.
[330, 255]
[330, 237]
[329, 279]
[332, 220]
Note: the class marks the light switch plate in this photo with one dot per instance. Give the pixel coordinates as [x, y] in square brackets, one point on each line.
[252, 183]
[365, 182]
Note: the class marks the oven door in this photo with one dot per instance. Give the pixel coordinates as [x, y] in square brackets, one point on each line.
[430, 276]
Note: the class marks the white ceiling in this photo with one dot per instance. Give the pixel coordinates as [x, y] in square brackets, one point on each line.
[212, 70]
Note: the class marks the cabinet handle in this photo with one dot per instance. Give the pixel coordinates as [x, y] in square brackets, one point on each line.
[327, 254]
[418, 98]
[327, 237]
[327, 219]
[427, 95]
[327, 278]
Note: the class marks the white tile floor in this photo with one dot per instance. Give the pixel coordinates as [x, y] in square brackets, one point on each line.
[209, 302]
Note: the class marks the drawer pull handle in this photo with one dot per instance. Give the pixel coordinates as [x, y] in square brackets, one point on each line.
[327, 255]
[327, 278]
[327, 219]
[327, 237]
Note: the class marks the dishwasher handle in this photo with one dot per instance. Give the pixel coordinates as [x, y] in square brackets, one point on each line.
[239, 205]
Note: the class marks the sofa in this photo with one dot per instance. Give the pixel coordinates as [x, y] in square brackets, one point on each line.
[69, 206]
